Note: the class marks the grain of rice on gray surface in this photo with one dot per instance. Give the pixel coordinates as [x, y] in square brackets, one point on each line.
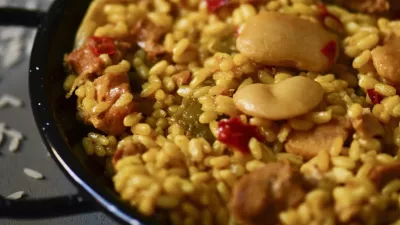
[11, 100]
[12, 33]
[33, 173]
[3, 103]
[12, 52]
[16, 195]
[16, 136]
[14, 133]
[13, 147]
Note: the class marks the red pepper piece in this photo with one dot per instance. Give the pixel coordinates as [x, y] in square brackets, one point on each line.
[236, 134]
[101, 45]
[375, 97]
[213, 5]
[329, 50]
[324, 13]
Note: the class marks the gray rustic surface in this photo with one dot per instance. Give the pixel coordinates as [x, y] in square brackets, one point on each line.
[32, 153]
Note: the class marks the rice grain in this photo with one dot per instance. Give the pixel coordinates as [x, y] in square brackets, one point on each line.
[14, 144]
[16, 195]
[33, 173]
[7, 99]
[14, 133]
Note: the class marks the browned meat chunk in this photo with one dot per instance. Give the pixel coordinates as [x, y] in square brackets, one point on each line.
[127, 149]
[258, 197]
[368, 126]
[308, 143]
[366, 6]
[109, 87]
[148, 36]
[382, 174]
[111, 122]
[84, 62]
[386, 60]
[182, 78]
[121, 48]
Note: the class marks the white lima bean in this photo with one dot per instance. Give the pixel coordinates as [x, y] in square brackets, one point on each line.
[277, 39]
[292, 97]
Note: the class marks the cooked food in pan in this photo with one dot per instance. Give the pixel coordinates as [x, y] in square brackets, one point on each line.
[253, 112]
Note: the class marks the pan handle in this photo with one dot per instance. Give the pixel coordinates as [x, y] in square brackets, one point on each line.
[10, 16]
[45, 208]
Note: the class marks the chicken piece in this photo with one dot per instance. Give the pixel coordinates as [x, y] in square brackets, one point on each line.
[122, 47]
[365, 6]
[148, 37]
[382, 174]
[259, 196]
[308, 143]
[111, 122]
[109, 87]
[386, 60]
[368, 126]
[84, 62]
[182, 78]
[127, 148]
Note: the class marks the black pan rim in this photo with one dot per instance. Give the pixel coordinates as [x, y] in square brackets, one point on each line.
[50, 134]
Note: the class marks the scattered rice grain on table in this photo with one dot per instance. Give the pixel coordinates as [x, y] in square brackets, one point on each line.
[16, 136]
[14, 133]
[33, 173]
[11, 100]
[14, 144]
[244, 112]
[16, 195]
[12, 52]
